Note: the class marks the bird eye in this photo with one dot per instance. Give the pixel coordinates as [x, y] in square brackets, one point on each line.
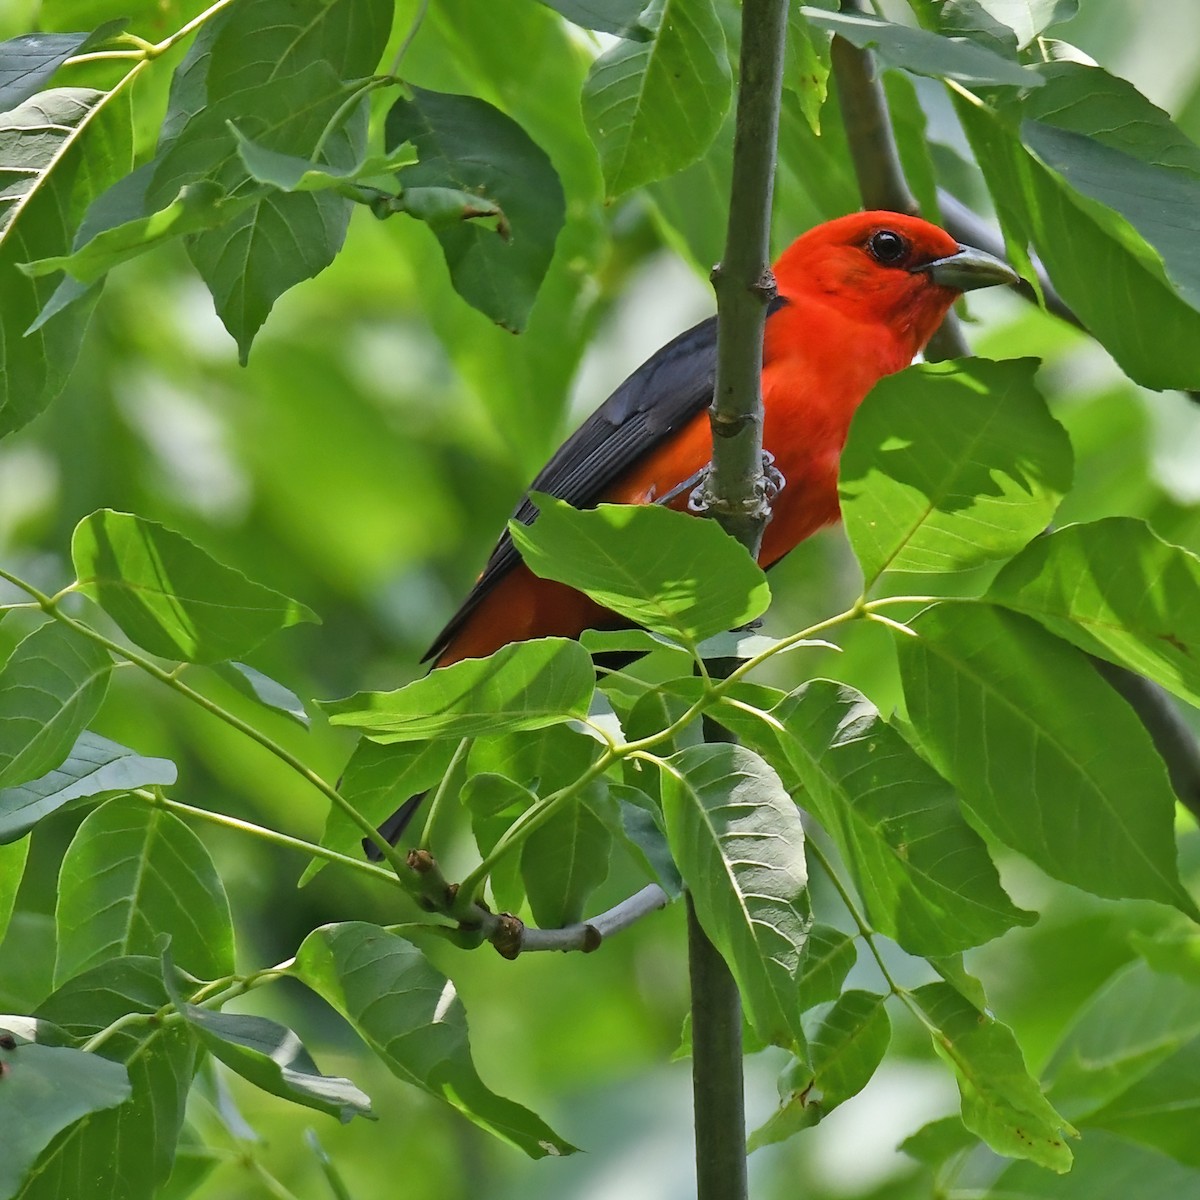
[887, 247]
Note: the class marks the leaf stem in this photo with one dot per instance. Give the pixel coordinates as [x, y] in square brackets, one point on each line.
[443, 788]
[170, 679]
[268, 835]
[409, 37]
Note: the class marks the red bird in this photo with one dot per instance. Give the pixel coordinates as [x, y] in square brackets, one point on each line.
[857, 298]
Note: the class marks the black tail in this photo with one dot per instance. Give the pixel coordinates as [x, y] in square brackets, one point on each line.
[393, 828]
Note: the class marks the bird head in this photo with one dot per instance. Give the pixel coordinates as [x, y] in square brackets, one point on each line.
[886, 267]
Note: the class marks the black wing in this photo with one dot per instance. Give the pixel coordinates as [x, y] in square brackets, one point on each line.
[661, 396]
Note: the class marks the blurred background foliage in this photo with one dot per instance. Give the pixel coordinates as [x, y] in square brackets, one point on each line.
[364, 461]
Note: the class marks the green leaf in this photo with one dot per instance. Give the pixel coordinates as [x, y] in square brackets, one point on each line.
[1001, 1101]
[467, 145]
[524, 685]
[128, 1151]
[267, 691]
[280, 71]
[411, 1017]
[439, 207]
[676, 576]
[1044, 754]
[1098, 179]
[637, 823]
[27, 63]
[50, 688]
[653, 107]
[12, 871]
[924, 874]
[806, 73]
[828, 956]
[938, 1141]
[270, 1056]
[950, 464]
[291, 173]
[47, 1089]
[1142, 616]
[132, 873]
[739, 844]
[94, 767]
[609, 16]
[495, 802]
[57, 151]
[844, 1052]
[1139, 1022]
[922, 52]
[1027, 18]
[1106, 1168]
[169, 596]
[198, 206]
[378, 780]
[1176, 952]
[563, 862]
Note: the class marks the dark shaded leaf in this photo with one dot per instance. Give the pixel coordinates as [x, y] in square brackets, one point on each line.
[467, 145]
[94, 767]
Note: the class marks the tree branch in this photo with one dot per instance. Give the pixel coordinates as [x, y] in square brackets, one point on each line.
[735, 493]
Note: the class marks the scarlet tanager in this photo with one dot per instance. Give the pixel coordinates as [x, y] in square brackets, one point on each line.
[857, 298]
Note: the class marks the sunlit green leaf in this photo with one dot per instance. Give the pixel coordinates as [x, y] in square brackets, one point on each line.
[1142, 615]
[12, 870]
[410, 1015]
[1027, 18]
[132, 873]
[524, 685]
[843, 1053]
[807, 70]
[950, 464]
[1042, 751]
[934, 1143]
[95, 766]
[654, 106]
[675, 575]
[198, 206]
[739, 843]
[467, 145]
[1001, 1101]
[169, 596]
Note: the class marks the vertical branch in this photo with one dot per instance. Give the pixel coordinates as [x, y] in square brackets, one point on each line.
[876, 159]
[735, 493]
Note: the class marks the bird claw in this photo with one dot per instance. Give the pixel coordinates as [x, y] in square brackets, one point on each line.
[696, 486]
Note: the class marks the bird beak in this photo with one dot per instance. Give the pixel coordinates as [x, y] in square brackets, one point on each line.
[969, 269]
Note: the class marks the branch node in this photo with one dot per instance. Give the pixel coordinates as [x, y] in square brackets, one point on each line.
[508, 936]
